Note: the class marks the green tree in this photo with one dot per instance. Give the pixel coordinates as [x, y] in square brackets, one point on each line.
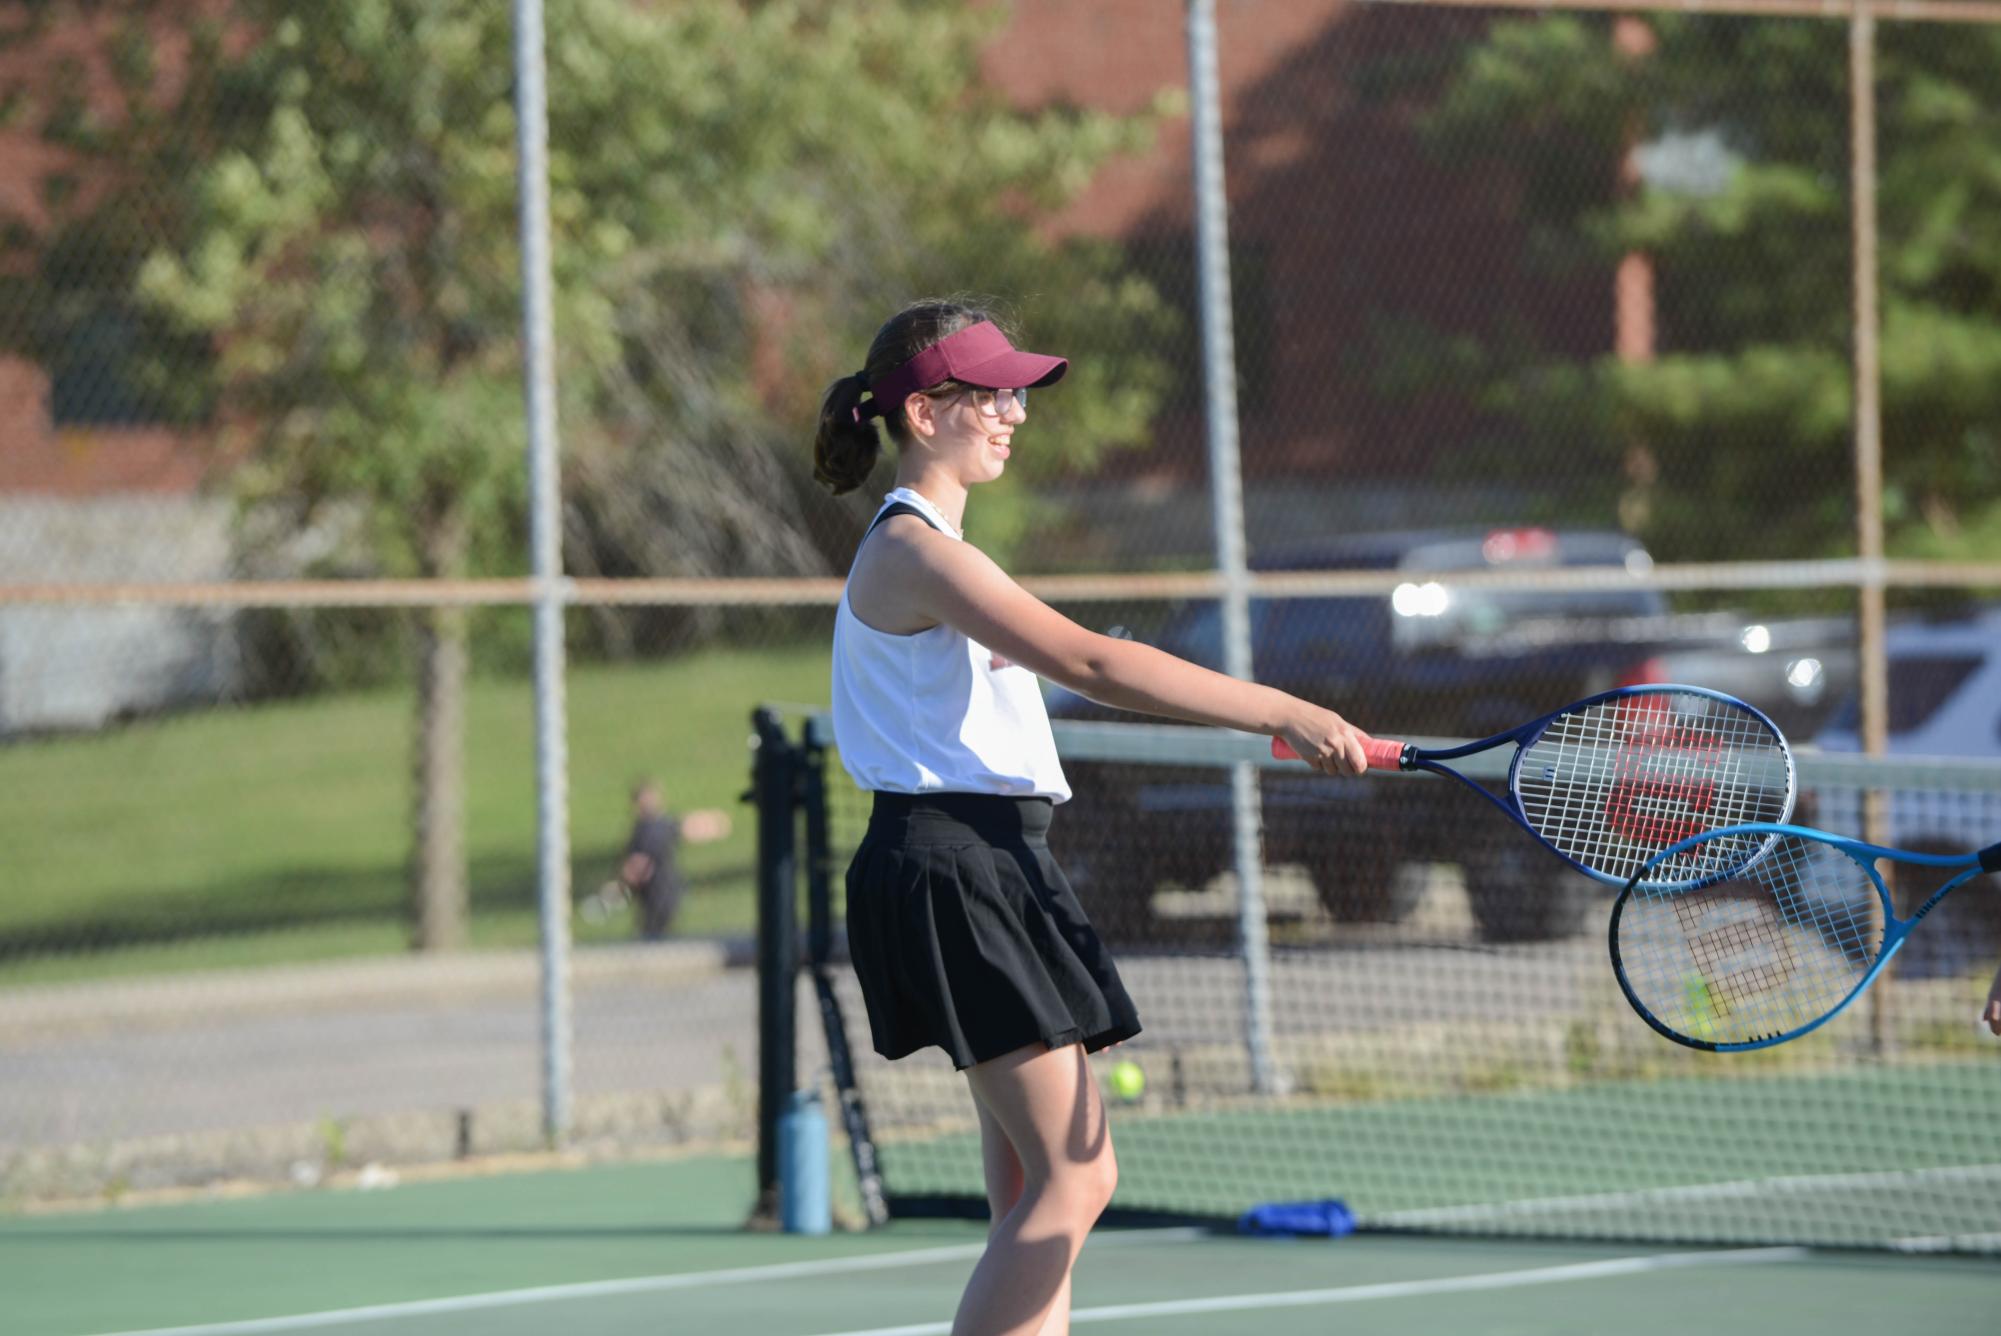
[739, 192]
[1735, 441]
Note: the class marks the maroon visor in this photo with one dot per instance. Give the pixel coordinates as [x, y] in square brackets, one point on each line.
[977, 355]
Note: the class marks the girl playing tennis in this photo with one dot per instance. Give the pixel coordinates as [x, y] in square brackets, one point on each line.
[962, 928]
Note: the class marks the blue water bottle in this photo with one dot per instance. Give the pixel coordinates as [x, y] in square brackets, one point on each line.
[805, 1203]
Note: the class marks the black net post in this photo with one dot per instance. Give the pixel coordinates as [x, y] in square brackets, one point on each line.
[812, 763]
[775, 771]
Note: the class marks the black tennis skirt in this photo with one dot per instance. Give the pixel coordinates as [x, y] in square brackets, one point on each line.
[965, 933]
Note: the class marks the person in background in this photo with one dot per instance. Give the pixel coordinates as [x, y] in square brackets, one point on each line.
[649, 873]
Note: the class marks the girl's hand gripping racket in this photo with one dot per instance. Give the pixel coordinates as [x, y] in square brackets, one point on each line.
[1611, 781]
[1769, 950]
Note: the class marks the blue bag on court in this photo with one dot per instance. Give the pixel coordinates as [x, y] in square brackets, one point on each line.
[1329, 1218]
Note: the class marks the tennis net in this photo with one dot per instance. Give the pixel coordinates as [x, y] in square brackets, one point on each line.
[1429, 1028]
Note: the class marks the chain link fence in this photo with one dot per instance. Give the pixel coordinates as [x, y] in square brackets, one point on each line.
[1548, 313]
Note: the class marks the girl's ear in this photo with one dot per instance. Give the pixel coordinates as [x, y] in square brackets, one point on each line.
[922, 414]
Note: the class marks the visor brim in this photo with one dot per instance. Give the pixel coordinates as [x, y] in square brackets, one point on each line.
[1014, 370]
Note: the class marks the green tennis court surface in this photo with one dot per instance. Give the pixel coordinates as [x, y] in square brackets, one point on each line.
[657, 1247]
[1635, 1160]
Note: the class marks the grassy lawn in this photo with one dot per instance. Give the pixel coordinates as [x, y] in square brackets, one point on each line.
[279, 832]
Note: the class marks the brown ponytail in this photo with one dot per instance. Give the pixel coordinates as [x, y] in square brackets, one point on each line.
[847, 444]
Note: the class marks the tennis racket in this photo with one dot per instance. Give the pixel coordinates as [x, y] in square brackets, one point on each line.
[605, 901]
[1763, 953]
[819, 952]
[1611, 781]
[854, 1116]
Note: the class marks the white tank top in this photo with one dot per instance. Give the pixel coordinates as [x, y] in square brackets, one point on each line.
[935, 712]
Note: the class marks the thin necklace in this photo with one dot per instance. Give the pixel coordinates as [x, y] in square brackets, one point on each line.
[936, 509]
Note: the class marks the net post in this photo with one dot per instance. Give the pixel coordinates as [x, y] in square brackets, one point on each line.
[775, 771]
[812, 763]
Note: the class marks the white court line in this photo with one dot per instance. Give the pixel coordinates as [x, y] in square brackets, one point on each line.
[582, 1290]
[595, 1289]
[1401, 1289]
[1727, 1191]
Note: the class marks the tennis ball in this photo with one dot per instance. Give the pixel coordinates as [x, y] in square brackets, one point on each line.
[1701, 1009]
[1128, 1082]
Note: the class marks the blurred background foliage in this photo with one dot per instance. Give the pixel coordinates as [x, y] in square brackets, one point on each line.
[1721, 151]
[308, 235]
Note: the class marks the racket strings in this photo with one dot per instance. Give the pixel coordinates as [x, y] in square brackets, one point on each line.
[1613, 784]
[1764, 954]
[1716, 951]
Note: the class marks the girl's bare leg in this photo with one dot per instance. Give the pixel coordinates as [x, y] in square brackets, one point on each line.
[1046, 1107]
[1003, 1175]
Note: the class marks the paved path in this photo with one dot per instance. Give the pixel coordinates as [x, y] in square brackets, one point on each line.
[87, 1063]
[205, 1054]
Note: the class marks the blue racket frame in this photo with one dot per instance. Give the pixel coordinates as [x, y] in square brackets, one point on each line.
[1895, 930]
[1525, 735]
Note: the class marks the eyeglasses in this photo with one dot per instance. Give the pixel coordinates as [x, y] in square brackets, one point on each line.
[998, 403]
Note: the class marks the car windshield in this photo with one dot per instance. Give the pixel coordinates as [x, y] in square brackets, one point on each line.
[1919, 684]
[1428, 609]
[1197, 634]
[1482, 611]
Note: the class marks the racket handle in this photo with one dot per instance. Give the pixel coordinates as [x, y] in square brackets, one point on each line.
[1383, 753]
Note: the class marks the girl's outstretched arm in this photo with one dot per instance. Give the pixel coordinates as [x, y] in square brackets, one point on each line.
[957, 584]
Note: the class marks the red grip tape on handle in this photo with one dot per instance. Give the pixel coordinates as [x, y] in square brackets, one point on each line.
[1383, 753]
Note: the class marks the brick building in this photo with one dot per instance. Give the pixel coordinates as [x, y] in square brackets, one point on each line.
[90, 488]
[1342, 221]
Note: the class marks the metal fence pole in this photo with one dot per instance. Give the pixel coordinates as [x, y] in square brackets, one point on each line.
[1219, 379]
[552, 809]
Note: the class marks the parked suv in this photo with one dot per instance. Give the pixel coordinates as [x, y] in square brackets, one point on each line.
[1429, 659]
[1945, 700]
